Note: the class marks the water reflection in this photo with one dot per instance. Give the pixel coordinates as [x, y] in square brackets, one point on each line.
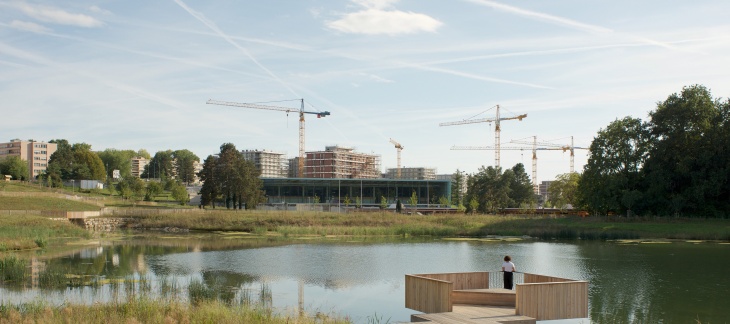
[668, 283]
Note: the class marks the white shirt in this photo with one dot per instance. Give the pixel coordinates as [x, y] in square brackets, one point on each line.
[508, 266]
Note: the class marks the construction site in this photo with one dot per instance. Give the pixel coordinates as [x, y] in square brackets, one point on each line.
[351, 169]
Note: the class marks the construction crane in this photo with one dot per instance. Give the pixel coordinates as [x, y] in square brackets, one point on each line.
[301, 112]
[399, 148]
[509, 148]
[497, 128]
[553, 146]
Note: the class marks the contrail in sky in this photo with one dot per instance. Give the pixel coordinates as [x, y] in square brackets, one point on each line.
[199, 16]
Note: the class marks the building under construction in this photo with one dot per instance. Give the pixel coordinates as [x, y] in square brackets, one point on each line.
[337, 162]
[419, 173]
[270, 164]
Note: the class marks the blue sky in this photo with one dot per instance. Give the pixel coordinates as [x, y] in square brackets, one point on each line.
[136, 74]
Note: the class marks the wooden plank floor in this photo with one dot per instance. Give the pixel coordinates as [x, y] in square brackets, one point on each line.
[471, 314]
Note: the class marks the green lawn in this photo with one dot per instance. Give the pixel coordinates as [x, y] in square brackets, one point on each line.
[44, 203]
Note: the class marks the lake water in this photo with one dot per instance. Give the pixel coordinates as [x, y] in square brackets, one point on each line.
[677, 282]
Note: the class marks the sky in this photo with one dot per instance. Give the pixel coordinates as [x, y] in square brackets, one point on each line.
[137, 74]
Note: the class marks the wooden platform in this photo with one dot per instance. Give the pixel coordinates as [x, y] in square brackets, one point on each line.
[491, 297]
[471, 314]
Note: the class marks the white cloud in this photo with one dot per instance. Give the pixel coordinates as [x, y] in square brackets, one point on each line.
[376, 4]
[97, 9]
[58, 16]
[380, 17]
[29, 26]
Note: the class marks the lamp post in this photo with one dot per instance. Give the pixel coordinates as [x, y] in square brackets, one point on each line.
[73, 185]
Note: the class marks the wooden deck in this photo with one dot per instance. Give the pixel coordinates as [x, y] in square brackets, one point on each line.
[471, 314]
[467, 298]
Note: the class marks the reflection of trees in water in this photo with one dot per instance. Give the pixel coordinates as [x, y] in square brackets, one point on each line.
[653, 283]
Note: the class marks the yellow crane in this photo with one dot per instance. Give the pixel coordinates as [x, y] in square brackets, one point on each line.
[301, 112]
[497, 128]
[553, 146]
[399, 148]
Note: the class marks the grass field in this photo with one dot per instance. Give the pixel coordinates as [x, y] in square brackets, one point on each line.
[43, 203]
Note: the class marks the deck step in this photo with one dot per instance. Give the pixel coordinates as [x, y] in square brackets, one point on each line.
[488, 297]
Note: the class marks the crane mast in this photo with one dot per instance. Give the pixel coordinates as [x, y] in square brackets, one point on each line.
[399, 148]
[553, 146]
[497, 129]
[301, 112]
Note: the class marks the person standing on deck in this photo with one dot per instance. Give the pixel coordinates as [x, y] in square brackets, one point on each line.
[508, 268]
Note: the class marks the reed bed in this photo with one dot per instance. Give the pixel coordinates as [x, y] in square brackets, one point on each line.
[452, 225]
[142, 310]
[20, 232]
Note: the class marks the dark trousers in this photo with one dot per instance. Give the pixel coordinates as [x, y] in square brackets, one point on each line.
[508, 280]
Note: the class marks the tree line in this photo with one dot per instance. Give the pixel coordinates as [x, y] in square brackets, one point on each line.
[676, 163]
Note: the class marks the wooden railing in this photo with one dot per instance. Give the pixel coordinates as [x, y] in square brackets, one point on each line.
[540, 297]
[553, 300]
[428, 295]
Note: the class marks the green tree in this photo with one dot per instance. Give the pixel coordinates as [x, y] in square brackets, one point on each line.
[15, 167]
[612, 179]
[131, 188]
[383, 202]
[232, 177]
[185, 165]
[154, 188]
[457, 184]
[121, 160]
[180, 193]
[562, 191]
[413, 200]
[473, 205]
[347, 201]
[210, 191]
[443, 201]
[75, 162]
[685, 173]
[521, 191]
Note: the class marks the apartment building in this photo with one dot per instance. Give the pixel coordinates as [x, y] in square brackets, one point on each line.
[418, 173]
[138, 165]
[270, 164]
[37, 154]
[341, 162]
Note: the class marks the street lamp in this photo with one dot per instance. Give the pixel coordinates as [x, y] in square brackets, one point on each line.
[73, 185]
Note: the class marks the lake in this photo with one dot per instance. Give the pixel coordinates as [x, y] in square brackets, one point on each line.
[677, 282]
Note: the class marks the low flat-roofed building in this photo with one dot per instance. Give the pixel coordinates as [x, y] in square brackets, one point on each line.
[370, 191]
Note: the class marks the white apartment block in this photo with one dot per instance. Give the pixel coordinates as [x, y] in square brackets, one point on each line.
[36, 153]
[270, 164]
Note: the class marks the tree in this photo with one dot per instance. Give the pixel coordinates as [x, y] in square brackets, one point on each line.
[683, 173]
[233, 178]
[413, 200]
[443, 201]
[154, 188]
[161, 166]
[613, 171]
[75, 162]
[521, 192]
[121, 160]
[185, 165]
[209, 192]
[180, 193]
[457, 184]
[562, 191]
[383, 202]
[131, 188]
[15, 167]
